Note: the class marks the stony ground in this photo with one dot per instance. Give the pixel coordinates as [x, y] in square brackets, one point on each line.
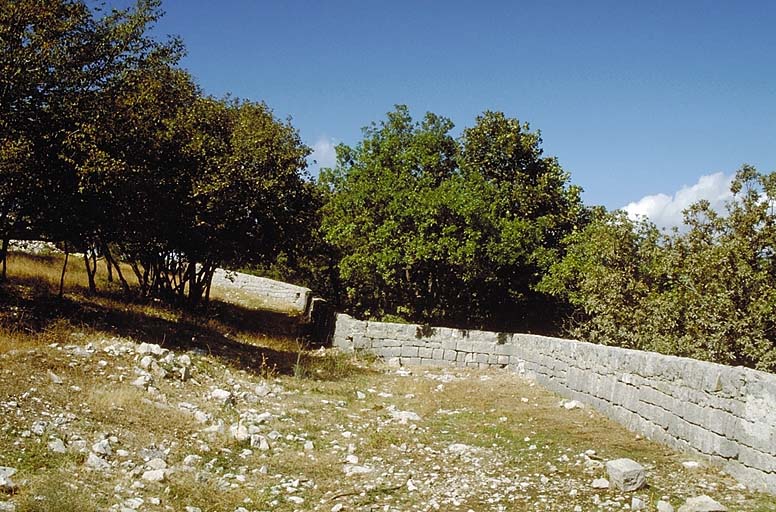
[109, 405]
[93, 423]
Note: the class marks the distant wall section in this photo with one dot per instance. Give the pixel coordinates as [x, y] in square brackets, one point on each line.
[723, 413]
[267, 293]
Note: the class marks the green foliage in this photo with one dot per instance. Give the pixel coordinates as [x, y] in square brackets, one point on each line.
[437, 230]
[106, 145]
[707, 293]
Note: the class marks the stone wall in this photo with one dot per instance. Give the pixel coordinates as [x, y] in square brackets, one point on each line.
[277, 295]
[725, 414]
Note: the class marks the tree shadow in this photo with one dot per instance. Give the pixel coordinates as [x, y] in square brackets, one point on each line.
[27, 304]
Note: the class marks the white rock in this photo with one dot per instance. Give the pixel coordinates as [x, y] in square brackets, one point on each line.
[7, 506]
[360, 395]
[38, 428]
[94, 461]
[691, 464]
[156, 463]
[573, 404]
[150, 348]
[146, 362]
[262, 389]
[184, 360]
[351, 459]
[626, 474]
[404, 417]
[664, 506]
[134, 503]
[394, 362]
[638, 504]
[298, 500]
[221, 395]
[57, 446]
[202, 417]
[459, 448]
[338, 507]
[702, 503]
[309, 446]
[192, 460]
[56, 379]
[354, 469]
[239, 432]
[142, 381]
[260, 442]
[192, 509]
[154, 475]
[411, 487]
[600, 483]
[102, 447]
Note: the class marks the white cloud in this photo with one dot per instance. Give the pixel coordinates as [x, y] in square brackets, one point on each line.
[666, 211]
[324, 153]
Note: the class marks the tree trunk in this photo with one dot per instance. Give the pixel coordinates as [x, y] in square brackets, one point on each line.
[90, 272]
[4, 256]
[64, 269]
[113, 263]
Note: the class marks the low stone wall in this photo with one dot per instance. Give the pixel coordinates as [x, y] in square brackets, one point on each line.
[725, 414]
[289, 298]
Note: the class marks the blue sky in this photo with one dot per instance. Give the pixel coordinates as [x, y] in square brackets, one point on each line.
[634, 98]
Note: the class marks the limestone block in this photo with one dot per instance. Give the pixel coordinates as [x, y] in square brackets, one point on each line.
[626, 474]
[407, 351]
[756, 459]
[425, 353]
[438, 353]
[449, 355]
[410, 361]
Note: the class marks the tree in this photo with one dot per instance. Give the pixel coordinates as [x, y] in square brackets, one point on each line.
[707, 293]
[431, 229]
[56, 60]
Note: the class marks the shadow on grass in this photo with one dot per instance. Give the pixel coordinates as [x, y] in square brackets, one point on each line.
[31, 306]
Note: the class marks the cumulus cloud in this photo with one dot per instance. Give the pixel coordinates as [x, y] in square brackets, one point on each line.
[666, 210]
[324, 153]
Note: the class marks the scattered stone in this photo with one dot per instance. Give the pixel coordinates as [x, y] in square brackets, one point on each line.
[102, 447]
[298, 500]
[141, 382]
[600, 483]
[97, 463]
[239, 432]
[154, 475]
[360, 395]
[221, 395]
[150, 348]
[691, 464]
[404, 417]
[626, 474]
[7, 506]
[38, 428]
[184, 360]
[57, 446]
[260, 442]
[354, 469]
[572, 404]
[309, 446]
[156, 463]
[6, 484]
[192, 509]
[146, 362]
[55, 379]
[338, 507]
[664, 506]
[638, 503]
[702, 503]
